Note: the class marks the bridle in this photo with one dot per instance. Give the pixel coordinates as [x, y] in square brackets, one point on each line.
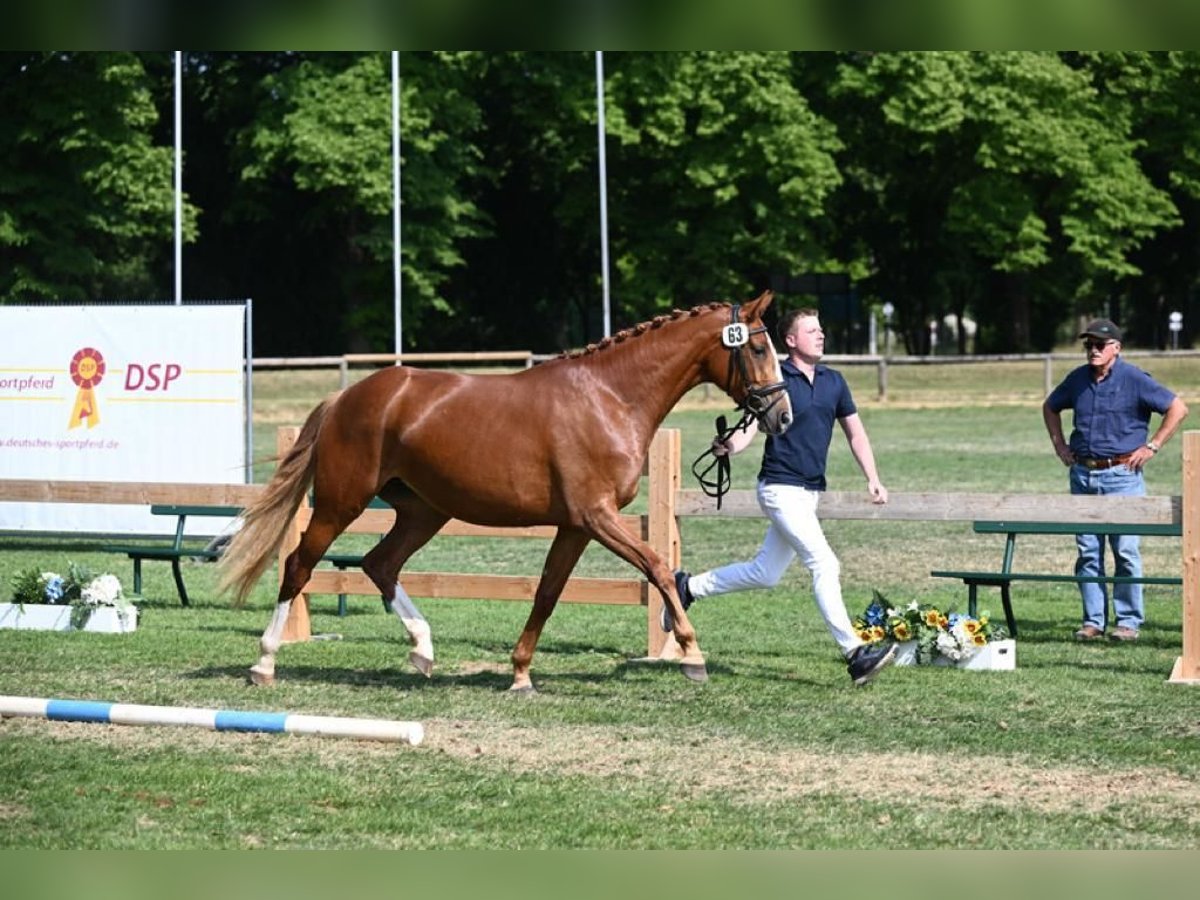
[735, 336]
[756, 404]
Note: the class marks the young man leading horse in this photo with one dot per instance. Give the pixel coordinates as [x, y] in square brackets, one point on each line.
[790, 483]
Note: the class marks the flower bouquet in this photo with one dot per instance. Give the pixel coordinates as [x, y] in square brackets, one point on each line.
[79, 593]
[925, 633]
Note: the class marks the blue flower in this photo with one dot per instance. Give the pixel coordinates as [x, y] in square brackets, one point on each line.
[875, 614]
[54, 588]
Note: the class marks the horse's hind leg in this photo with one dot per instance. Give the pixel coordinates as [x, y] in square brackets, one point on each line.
[297, 570]
[416, 523]
[560, 561]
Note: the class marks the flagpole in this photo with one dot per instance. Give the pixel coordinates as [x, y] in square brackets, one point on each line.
[603, 189]
[178, 177]
[396, 284]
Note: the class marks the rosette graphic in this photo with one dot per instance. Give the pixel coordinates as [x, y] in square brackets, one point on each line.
[87, 370]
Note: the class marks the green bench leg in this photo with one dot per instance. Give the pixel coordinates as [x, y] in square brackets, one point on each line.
[137, 576]
[1008, 613]
[175, 570]
[1005, 600]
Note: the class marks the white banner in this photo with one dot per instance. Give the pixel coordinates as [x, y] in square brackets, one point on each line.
[119, 393]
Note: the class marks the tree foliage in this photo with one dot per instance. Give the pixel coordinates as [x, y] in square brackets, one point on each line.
[1020, 190]
[86, 199]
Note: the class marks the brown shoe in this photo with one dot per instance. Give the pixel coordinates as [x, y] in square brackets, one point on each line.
[1121, 633]
[1089, 633]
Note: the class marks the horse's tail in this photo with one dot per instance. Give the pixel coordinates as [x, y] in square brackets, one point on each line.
[264, 522]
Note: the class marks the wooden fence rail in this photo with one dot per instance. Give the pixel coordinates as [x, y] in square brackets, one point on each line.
[660, 527]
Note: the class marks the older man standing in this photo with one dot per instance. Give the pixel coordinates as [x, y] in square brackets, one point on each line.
[1108, 449]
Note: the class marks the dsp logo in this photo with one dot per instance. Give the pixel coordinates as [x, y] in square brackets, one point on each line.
[151, 377]
[87, 371]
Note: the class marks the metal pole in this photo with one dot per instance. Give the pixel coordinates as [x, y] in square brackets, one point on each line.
[603, 188]
[178, 177]
[396, 288]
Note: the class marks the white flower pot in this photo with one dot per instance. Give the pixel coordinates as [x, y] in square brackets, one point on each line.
[49, 617]
[997, 656]
[906, 653]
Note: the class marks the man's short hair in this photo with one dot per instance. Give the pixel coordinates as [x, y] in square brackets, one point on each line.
[788, 319]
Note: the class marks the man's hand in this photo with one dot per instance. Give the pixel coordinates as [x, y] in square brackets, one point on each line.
[1139, 457]
[878, 492]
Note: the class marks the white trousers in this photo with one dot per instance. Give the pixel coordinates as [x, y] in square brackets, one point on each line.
[794, 531]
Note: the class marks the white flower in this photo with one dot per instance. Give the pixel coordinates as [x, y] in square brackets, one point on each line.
[948, 646]
[103, 590]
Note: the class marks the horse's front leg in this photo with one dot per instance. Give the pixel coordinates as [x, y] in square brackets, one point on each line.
[564, 553]
[605, 526]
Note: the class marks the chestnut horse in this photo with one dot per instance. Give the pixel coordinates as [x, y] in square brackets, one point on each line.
[559, 444]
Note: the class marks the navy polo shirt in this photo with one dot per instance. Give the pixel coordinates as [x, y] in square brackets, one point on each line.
[1112, 417]
[798, 456]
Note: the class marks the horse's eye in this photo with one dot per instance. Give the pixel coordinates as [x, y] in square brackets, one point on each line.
[758, 351]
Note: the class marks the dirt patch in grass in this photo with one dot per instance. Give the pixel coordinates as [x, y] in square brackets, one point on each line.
[755, 773]
[750, 772]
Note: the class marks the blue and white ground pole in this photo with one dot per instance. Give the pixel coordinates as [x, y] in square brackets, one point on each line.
[215, 719]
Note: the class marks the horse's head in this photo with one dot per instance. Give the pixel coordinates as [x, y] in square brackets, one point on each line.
[751, 372]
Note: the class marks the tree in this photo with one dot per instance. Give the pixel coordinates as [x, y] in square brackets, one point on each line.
[720, 172]
[1162, 94]
[322, 128]
[86, 197]
[1011, 165]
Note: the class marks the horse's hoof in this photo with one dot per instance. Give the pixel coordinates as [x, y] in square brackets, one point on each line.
[261, 677]
[697, 672]
[422, 664]
[525, 690]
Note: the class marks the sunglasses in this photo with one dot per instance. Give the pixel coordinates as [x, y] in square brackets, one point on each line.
[1096, 345]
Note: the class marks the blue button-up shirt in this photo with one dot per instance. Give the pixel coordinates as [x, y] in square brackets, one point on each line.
[1112, 417]
[798, 456]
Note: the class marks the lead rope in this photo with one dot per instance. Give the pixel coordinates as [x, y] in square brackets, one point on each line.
[720, 487]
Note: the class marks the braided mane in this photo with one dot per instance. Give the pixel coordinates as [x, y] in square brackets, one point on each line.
[641, 328]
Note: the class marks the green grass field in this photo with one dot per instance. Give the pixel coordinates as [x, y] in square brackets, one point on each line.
[1080, 747]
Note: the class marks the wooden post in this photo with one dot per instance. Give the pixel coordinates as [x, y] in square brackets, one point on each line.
[297, 628]
[663, 531]
[1187, 666]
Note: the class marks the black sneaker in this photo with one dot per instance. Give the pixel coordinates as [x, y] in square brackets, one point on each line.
[665, 620]
[869, 660]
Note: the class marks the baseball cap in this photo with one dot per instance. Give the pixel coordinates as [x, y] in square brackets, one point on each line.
[1102, 329]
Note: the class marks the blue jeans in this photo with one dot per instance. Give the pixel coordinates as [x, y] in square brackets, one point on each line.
[1127, 556]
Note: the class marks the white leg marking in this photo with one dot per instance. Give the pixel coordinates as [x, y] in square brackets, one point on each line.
[419, 634]
[263, 672]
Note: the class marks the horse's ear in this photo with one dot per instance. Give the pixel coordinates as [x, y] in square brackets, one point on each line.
[756, 307]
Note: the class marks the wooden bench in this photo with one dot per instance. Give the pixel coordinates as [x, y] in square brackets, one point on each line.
[1006, 576]
[178, 549]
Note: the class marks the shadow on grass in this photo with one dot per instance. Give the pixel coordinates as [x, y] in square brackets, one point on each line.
[497, 678]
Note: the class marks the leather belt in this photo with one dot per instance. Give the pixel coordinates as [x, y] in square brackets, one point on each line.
[1104, 463]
